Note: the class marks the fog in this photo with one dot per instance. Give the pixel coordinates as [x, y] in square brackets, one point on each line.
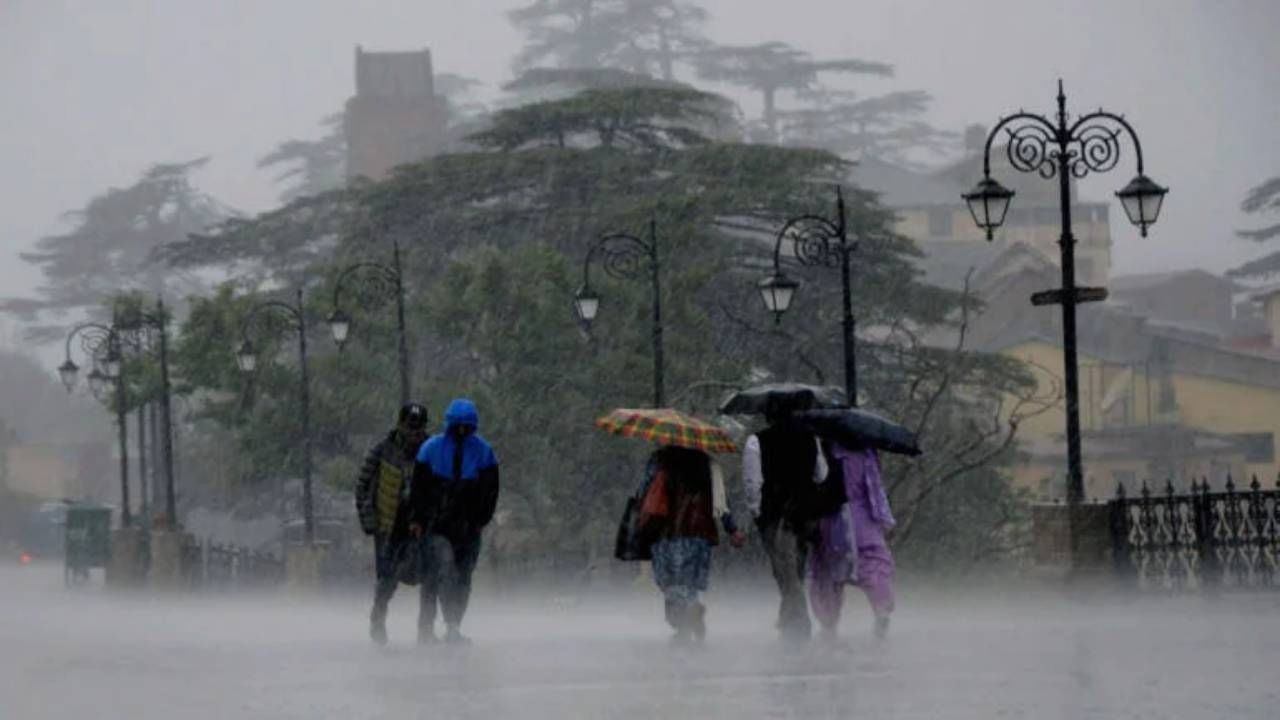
[962, 655]
[96, 92]
[259, 448]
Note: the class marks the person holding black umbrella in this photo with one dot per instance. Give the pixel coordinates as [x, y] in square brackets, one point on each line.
[775, 463]
[850, 547]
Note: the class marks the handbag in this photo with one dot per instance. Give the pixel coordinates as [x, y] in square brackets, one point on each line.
[654, 506]
[408, 569]
[644, 510]
[629, 546]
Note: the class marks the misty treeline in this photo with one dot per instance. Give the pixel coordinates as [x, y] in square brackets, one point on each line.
[1263, 198]
[612, 122]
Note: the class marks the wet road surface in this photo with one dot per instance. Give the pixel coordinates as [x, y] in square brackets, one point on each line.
[89, 654]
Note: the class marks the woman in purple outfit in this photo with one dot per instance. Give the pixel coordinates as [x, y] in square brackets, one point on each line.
[851, 547]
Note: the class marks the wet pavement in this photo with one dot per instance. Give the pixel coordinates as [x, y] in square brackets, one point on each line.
[88, 654]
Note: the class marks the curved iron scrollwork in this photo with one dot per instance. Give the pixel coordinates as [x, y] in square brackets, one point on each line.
[623, 257]
[1032, 148]
[95, 341]
[1036, 145]
[377, 284]
[1096, 148]
[277, 308]
[816, 241]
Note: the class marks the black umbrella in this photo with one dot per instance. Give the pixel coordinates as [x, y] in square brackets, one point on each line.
[854, 427]
[793, 396]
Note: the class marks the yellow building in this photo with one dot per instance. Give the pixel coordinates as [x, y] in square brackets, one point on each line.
[1165, 396]
[1158, 403]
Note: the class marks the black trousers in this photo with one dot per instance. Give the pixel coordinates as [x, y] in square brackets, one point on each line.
[788, 552]
[388, 555]
[448, 563]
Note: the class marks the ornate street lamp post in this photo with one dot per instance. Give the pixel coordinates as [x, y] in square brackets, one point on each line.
[821, 242]
[1066, 149]
[247, 360]
[627, 257]
[101, 343]
[389, 278]
[107, 344]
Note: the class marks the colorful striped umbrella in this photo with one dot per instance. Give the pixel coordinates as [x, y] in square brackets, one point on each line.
[668, 427]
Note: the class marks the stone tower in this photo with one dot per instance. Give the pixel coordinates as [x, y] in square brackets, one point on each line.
[395, 116]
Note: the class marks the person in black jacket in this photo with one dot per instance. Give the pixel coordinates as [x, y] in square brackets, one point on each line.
[453, 497]
[779, 465]
[381, 489]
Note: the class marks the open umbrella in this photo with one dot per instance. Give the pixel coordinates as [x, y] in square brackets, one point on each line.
[854, 427]
[668, 427]
[795, 396]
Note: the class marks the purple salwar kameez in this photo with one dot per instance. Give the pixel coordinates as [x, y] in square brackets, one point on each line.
[851, 549]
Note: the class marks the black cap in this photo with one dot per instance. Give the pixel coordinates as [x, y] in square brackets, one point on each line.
[413, 416]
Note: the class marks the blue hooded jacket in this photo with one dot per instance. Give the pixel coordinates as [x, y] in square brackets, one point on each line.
[439, 452]
[455, 480]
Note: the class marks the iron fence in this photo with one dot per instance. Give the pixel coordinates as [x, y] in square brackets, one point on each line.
[1200, 539]
[218, 566]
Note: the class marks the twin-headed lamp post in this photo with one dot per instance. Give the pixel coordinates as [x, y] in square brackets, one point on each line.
[1065, 148]
[108, 342]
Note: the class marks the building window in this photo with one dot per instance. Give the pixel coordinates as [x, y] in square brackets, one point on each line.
[940, 222]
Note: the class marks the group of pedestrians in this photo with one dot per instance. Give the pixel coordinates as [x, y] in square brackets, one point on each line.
[426, 499]
[821, 512]
[819, 507]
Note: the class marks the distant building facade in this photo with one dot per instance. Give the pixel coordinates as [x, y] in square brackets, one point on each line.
[931, 211]
[395, 117]
[1179, 378]
[1195, 299]
[1160, 400]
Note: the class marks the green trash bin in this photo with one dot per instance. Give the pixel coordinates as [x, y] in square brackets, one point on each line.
[88, 541]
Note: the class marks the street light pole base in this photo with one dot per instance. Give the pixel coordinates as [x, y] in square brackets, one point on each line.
[127, 567]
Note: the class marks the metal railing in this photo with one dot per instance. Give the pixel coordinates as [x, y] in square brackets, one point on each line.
[216, 566]
[1201, 539]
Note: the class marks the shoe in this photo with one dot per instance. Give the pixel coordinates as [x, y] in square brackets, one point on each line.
[378, 633]
[453, 636]
[682, 639]
[882, 627]
[427, 637]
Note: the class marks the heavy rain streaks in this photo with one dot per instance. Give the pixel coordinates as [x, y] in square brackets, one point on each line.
[639, 358]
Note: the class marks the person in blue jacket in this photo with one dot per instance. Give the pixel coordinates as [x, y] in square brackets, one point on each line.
[452, 499]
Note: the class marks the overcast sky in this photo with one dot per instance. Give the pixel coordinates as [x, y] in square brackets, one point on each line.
[94, 91]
